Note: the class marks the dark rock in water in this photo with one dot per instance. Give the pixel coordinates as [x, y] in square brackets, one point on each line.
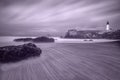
[23, 39]
[17, 53]
[43, 39]
[38, 39]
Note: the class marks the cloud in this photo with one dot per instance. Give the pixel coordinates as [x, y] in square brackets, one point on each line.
[56, 13]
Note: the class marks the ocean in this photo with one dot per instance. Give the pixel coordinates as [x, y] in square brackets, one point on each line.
[66, 61]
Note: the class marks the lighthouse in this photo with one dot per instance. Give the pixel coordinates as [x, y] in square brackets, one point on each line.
[107, 26]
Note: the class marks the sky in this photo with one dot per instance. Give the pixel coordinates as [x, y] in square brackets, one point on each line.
[55, 17]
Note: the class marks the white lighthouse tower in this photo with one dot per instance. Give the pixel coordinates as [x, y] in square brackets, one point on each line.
[107, 26]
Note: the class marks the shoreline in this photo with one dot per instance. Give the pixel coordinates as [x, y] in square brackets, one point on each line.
[64, 40]
[69, 60]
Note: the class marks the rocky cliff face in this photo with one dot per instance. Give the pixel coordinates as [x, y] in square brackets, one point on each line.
[94, 34]
[17, 53]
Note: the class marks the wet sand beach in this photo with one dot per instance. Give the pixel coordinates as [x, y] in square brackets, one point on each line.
[68, 61]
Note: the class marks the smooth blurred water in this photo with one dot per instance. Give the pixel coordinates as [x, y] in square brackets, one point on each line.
[9, 40]
[98, 59]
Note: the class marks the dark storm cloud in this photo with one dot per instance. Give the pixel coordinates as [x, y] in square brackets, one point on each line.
[57, 15]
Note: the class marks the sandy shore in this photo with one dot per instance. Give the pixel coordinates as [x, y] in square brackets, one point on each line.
[63, 40]
[68, 62]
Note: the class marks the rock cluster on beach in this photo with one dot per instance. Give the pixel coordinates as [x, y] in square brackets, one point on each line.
[23, 39]
[17, 53]
[38, 39]
[43, 39]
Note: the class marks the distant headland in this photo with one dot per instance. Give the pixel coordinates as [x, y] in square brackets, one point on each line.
[108, 33]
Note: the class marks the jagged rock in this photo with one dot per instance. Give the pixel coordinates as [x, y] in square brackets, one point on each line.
[38, 39]
[43, 39]
[17, 53]
[23, 39]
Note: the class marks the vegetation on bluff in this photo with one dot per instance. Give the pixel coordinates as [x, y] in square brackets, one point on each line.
[93, 34]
